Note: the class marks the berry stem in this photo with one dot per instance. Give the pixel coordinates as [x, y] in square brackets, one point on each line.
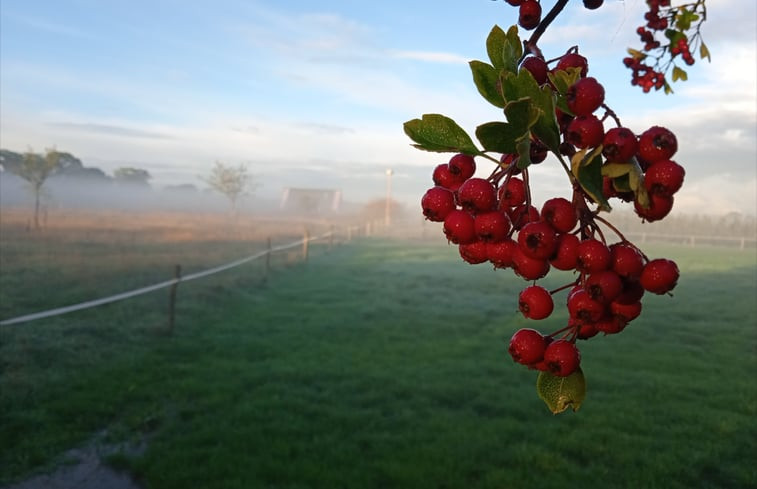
[530, 44]
[566, 286]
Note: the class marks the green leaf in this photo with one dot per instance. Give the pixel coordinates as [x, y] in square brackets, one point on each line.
[637, 55]
[674, 36]
[704, 52]
[685, 18]
[513, 49]
[495, 45]
[587, 168]
[621, 184]
[498, 137]
[546, 127]
[563, 79]
[636, 183]
[679, 74]
[439, 133]
[561, 393]
[668, 88]
[523, 148]
[615, 170]
[486, 78]
[522, 114]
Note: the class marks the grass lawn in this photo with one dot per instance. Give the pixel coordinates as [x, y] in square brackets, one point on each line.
[383, 364]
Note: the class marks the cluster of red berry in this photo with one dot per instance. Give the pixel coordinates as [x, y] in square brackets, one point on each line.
[682, 47]
[493, 220]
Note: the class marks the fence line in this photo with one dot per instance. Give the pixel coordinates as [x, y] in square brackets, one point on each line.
[150, 288]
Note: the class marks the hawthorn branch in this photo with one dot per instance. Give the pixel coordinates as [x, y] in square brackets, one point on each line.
[530, 44]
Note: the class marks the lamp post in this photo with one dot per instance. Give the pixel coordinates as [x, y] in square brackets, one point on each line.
[388, 208]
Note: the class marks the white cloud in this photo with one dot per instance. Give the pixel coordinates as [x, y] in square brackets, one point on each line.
[430, 56]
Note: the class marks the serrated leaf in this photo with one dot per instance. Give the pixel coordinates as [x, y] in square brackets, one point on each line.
[439, 133]
[522, 114]
[679, 74]
[615, 170]
[704, 52]
[561, 393]
[486, 78]
[498, 137]
[495, 45]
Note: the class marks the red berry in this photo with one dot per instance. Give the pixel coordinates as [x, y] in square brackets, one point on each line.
[443, 177]
[560, 214]
[527, 346]
[477, 195]
[537, 240]
[627, 312]
[611, 324]
[474, 253]
[459, 227]
[522, 215]
[585, 96]
[492, 226]
[660, 276]
[513, 193]
[529, 14]
[632, 292]
[501, 253]
[527, 267]
[437, 203]
[462, 165]
[567, 252]
[583, 308]
[657, 143]
[535, 302]
[593, 256]
[537, 67]
[585, 131]
[573, 60]
[619, 145]
[625, 260]
[593, 4]
[665, 177]
[562, 358]
[604, 286]
[659, 207]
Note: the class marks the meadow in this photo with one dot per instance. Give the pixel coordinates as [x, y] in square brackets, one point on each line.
[378, 363]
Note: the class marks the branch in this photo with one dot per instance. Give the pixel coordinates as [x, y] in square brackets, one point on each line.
[530, 44]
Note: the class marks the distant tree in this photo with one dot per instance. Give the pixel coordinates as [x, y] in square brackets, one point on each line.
[233, 182]
[35, 168]
[131, 176]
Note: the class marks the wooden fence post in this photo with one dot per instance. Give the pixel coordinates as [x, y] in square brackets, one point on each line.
[172, 299]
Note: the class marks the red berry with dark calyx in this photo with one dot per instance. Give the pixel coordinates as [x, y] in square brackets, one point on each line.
[585, 96]
[573, 60]
[527, 346]
[585, 131]
[657, 143]
[604, 286]
[492, 226]
[512, 193]
[583, 308]
[664, 177]
[443, 177]
[562, 358]
[537, 240]
[529, 14]
[627, 312]
[459, 227]
[659, 207]
[474, 253]
[462, 165]
[537, 67]
[659, 276]
[500, 254]
[632, 292]
[611, 324]
[477, 195]
[535, 302]
[537, 152]
[592, 256]
[619, 145]
[437, 203]
[559, 213]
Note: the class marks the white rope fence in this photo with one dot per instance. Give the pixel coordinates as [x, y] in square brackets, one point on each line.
[150, 288]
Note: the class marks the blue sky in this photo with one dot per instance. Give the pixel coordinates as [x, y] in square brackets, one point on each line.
[315, 93]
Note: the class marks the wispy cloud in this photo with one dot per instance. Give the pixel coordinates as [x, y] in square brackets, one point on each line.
[110, 130]
[430, 56]
[49, 26]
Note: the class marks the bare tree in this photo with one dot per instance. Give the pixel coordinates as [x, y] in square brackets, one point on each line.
[231, 181]
[35, 169]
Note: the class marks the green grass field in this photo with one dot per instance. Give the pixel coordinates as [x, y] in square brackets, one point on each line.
[383, 364]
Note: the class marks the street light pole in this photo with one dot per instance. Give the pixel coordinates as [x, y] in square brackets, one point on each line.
[387, 209]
